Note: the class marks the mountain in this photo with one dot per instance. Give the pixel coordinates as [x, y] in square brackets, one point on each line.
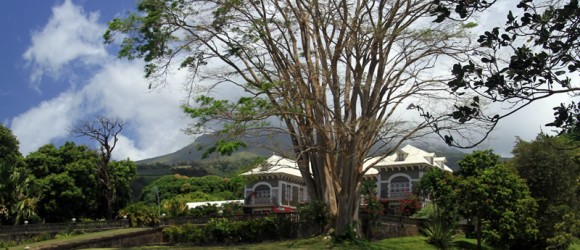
[256, 146]
[266, 145]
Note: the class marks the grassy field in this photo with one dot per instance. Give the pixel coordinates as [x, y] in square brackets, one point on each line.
[403, 243]
[78, 238]
[311, 243]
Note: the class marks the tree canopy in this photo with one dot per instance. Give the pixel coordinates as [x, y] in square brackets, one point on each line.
[339, 76]
[106, 132]
[18, 194]
[551, 168]
[501, 204]
[67, 177]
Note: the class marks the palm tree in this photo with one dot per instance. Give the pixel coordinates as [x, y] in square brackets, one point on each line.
[18, 195]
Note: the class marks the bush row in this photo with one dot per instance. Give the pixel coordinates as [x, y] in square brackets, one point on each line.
[222, 230]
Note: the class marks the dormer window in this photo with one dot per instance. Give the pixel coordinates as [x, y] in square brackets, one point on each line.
[401, 156]
[265, 166]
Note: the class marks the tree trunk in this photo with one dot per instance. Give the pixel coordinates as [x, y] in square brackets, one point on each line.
[347, 216]
[107, 187]
[478, 232]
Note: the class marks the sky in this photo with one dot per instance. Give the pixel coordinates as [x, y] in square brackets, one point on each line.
[56, 71]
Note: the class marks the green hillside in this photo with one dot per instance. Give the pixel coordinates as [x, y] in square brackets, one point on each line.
[191, 155]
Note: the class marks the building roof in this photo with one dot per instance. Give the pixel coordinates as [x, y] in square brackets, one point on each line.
[409, 155]
[276, 165]
[406, 156]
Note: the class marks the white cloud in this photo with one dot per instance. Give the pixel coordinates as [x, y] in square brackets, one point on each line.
[116, 89]
[155, 116]
[49, 120]
[69, 35]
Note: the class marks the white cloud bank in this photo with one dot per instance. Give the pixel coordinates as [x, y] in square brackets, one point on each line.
[70, 35]
[154, 118]
[116, 89]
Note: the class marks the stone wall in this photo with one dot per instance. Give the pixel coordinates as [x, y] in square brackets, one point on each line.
[391, 230]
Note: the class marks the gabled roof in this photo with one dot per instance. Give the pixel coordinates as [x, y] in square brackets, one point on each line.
[276, 165]
[410, 155]
[406, 156]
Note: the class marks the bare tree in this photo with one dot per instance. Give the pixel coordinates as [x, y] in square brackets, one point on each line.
[341, 75]
[105, 131]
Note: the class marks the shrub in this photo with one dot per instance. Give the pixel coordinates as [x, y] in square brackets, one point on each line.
[314, 212]
[222, 230]
[140, 214]
[204, 210]
[409, 205]
[185, 233]
[427, 212]
[439, 233]
[218, 229]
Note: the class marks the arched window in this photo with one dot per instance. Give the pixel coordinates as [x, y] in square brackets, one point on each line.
[262, 194]
[399, 187]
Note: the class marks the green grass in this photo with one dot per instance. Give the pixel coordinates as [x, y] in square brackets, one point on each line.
[575, 245]
[78, 238]
[403, 243]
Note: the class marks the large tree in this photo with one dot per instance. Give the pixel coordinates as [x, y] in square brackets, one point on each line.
[18, 196]
[340, 76]
[67, 176]
[105, 131]
[66, 179]
[478, 161]
[551, 167]
[533, 57]
[500, 204]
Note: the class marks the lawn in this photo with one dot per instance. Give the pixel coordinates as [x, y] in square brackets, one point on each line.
[78, 238]
[402, 243]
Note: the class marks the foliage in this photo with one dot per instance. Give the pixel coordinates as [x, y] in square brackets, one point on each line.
[541, 47]
[205, 210]
[222, 230]
[551, 168]
[441, 188]
[439, 233]
[184, 233]
[566, 230]
[314, 211]
[9, 147]
[122, 173]
[336, 75]
[427, 212]
[67, 177]
[501, 205]
[174, 207]
[140, 214]
[232, 208]
[409, 205]
[373, 207]
[18, 194]
[105, 131]
[206, 188]
[475, 163]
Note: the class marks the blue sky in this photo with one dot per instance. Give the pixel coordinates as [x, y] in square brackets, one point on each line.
[56, 71]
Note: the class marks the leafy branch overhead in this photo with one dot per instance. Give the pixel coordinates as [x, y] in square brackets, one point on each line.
[544, 47]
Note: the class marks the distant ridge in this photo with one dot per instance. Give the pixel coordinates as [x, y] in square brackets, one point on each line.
[258, 146]
[264, 147]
